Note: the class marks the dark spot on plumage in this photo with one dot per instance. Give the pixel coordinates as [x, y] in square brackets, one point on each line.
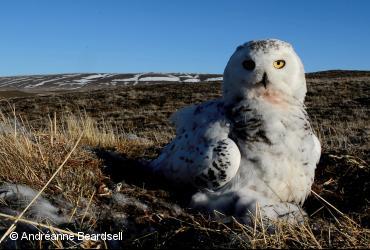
[182, 158]
[284, 124]
[254, 121]
[265, 45]
[262, 135]
[253, 160]
[214, 164]
[211, 175]
[307, 127]
[186, 135]
[253, 126]
[305, 163]
[241, 134]
[215, 184]
[247, 124]
[243, 109]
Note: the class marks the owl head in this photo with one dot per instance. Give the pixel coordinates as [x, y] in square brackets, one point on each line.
[264, 66]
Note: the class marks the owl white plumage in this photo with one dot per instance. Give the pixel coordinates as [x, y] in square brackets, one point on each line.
[254, 147]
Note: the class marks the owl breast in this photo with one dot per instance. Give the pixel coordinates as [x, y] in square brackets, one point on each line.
[275, 147]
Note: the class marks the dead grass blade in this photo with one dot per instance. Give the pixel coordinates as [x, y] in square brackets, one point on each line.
[333, 207]
[38, 224]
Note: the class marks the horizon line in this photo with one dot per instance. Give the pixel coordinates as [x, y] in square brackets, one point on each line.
[162, 72]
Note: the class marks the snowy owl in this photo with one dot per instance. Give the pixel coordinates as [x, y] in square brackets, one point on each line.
[253, 147]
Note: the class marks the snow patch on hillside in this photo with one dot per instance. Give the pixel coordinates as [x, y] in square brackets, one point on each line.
[214, 79]
[75, 81]
[87, 79]
[160, 79]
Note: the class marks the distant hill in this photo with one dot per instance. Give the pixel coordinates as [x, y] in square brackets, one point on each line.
[98, 80]
[338, 73]
[55, 82]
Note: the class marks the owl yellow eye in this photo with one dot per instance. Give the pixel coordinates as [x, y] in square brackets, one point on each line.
[279, 64]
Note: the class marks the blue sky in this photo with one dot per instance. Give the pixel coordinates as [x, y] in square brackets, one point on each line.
[41, 37]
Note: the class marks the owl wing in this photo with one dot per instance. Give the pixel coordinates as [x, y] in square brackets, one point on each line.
[316, 151]
[201, 154]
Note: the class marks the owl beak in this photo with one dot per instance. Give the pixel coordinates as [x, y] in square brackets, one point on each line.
[264, 80]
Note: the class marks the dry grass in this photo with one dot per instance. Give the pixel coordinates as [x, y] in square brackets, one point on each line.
[30, 156]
